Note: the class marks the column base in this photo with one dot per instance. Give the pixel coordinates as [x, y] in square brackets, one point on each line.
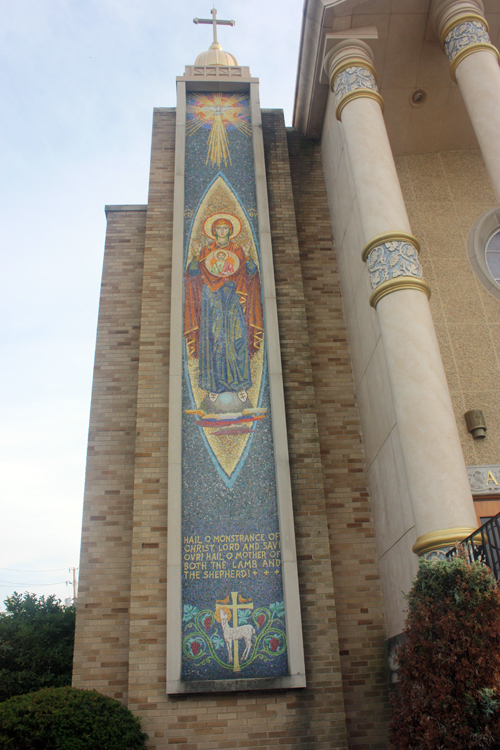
[469, 51]
[356, 94]
[394, 285]
[436, 544]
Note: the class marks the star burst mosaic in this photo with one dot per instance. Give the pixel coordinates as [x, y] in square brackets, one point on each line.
[219, 113]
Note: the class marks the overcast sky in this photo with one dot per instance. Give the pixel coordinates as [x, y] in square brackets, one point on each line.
[79, 80]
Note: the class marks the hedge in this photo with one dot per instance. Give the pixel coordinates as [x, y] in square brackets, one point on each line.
[68, 719]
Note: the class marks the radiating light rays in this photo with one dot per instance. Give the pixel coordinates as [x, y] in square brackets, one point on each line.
[219, 111]
[218, 143]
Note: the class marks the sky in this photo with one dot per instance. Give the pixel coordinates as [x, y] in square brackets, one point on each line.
[78, 83]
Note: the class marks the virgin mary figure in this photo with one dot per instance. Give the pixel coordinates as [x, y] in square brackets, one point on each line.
[223, 321]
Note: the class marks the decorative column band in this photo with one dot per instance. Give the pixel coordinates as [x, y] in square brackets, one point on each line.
[352, 79]
[380, 239]
[466, 18]
[462, 37]
[436, 540]
[353, 62]
[393, 264]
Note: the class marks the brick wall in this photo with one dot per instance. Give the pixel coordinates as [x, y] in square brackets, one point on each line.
[131, 564]
[102, 626]
[147, 696]
[358, 595]
[306, 719]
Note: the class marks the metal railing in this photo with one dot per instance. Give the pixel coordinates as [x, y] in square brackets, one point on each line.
[483, 545]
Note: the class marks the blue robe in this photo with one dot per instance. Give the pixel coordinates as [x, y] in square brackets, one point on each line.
[224, 355]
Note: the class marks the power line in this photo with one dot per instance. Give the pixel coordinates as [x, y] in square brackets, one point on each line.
[21, 583]
[16, 570]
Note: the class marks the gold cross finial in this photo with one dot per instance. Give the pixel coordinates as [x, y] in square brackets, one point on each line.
[214, 22]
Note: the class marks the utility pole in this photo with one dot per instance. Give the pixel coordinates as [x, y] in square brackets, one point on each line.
[73, 583]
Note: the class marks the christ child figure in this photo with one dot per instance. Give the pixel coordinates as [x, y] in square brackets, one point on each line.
[223, 320]
[221, 266]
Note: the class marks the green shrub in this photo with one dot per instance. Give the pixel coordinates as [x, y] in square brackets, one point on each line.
[36, 644]
[68, 719]
[448, 695]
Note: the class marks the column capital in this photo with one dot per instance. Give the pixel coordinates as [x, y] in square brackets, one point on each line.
[445, 14]
[461, 28]
[350, 70]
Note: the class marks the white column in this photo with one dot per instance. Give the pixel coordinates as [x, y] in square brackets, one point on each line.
[437, 478]
[463, 33]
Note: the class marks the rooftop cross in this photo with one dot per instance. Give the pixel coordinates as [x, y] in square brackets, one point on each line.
[214, 22]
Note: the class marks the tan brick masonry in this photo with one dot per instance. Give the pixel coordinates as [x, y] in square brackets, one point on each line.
[124, 570]
[102, 630]
[148, 589]
[312, 718]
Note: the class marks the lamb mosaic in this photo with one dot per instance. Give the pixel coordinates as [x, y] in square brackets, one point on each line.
[233, 614]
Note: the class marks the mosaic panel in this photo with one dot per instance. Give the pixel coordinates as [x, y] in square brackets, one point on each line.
[232, 594]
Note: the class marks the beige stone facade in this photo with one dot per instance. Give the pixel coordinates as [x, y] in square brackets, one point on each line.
[445, 193]
[417, 484]
[372, 474]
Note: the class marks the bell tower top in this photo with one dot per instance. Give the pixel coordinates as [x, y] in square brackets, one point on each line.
[215, 55]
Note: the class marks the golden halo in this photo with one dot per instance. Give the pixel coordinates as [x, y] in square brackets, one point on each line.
[218, 252]
[235, 223]
[226, 610]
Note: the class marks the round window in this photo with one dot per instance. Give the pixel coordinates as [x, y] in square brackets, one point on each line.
[493, 255]
[483, 249]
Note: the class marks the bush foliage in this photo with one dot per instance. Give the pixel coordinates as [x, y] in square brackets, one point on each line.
[68, 719]
[448, 695]
[36, 644]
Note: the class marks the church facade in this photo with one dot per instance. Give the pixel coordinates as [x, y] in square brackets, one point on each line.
[290, 334]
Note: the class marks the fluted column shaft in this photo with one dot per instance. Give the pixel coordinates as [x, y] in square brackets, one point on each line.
[463, 33]
[434, 463]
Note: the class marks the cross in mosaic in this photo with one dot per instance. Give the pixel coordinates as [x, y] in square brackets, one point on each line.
[233, 596]
[214, 22]
[232, 635]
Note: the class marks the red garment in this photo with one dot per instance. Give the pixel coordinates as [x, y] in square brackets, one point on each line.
[247, 289]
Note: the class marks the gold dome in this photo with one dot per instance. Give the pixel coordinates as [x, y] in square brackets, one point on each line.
[216, 56]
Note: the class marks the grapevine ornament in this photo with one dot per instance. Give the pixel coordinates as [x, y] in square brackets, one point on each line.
[206, 643]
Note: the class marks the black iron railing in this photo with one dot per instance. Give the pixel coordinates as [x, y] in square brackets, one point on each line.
[483, 545]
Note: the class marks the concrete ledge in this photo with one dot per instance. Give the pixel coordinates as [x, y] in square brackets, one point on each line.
[111, 209]
[223, 686]
[310, 93]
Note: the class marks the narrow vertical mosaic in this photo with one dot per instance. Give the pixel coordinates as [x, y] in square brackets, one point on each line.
[233, 616]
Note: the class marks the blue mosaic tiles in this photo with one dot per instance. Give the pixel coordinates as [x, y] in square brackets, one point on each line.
[232, 593]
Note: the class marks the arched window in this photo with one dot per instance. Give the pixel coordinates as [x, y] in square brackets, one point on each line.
[493, 255]
[483, 249]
